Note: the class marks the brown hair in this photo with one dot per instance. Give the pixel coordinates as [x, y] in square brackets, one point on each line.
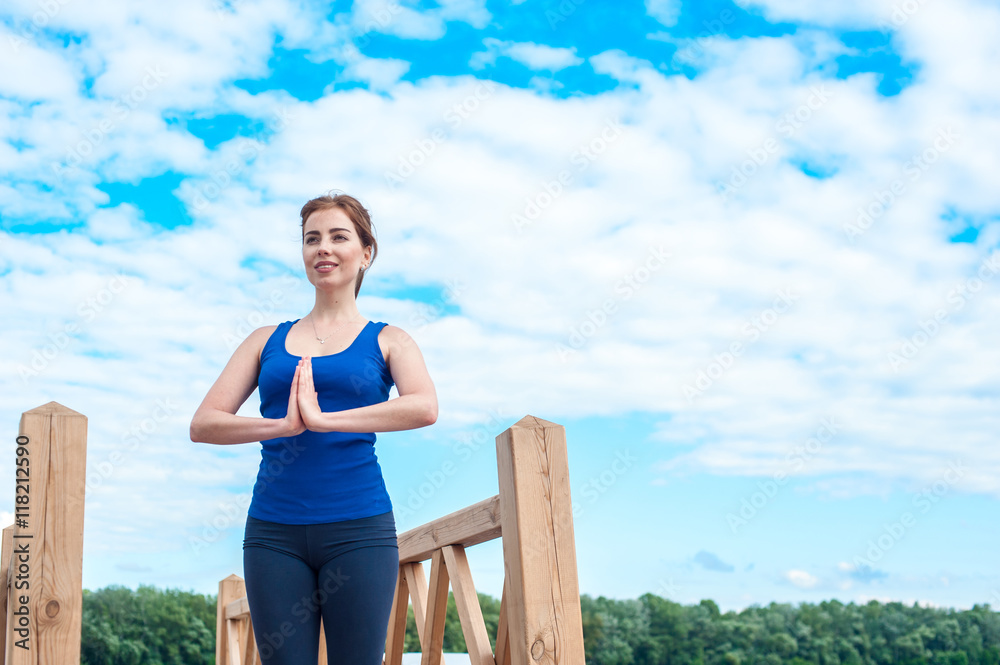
[356, 213]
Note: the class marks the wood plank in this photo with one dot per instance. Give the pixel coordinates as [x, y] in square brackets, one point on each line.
[249, 646]
[245, 639]
[252, 655]
[416, 582]
[233, 642]
[322, 643]
[502, 655]
[49, 525]
[62, 559]
[469, 526]
[231, 591]
[30, 532]
[477, 640]
[396, 634]
[543, 612]
[238, 609]
[437, 607]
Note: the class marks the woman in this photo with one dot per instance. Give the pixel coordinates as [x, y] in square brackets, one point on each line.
[320, 536]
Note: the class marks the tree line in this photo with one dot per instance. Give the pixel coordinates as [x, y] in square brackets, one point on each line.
[149, 626]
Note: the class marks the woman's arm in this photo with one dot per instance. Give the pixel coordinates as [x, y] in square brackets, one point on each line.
[216, 421]
[415, 407]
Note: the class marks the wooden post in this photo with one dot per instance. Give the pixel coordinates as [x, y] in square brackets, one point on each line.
[227, 651]
[45, 605]
[543, 606]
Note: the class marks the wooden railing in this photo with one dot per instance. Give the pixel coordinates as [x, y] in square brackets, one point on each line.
[41, 566]
[540, 618]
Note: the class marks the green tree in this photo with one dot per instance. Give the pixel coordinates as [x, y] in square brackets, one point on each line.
[125, 627]
[169, 627]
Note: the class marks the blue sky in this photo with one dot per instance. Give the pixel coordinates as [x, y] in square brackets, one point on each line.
[745, 252]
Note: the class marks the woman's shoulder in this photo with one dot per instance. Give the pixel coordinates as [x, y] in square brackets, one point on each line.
[393, 338]
[258, 338]
[261, 335]
[392, 334]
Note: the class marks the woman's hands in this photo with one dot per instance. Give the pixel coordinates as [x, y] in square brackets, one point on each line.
[415, 406]
[306, 399]
[303, 403]
[293, 417]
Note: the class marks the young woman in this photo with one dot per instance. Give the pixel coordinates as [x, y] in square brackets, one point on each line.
[320, 536]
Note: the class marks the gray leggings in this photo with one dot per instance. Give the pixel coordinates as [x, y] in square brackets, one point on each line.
[342, 571]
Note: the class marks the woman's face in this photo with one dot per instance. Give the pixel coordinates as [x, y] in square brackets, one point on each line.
[331, 249]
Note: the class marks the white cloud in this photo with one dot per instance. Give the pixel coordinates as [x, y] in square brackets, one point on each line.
[378, 73]
[394, 18]
[801, 579]
[886, 15]
[473, 12]
[31, 72]
[664, 11]
[540, 56]
[531, 55]
[602, 182]
[849, 13]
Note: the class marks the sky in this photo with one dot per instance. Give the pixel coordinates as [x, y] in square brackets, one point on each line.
[745, 252]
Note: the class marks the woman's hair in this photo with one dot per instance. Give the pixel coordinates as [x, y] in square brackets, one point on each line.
[356, 213]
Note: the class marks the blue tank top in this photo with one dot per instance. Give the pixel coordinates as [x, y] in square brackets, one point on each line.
[319, 477]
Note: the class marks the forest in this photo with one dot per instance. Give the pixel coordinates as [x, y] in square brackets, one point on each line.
[150, 626]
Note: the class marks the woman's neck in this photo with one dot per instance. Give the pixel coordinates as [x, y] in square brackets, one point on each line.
[335, 307]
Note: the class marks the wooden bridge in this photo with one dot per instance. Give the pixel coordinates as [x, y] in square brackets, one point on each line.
[540, 622]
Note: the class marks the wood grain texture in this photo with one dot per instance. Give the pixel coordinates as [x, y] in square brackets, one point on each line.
[53, 531]
[502, 653]
[238, 609]
[437, 607]
[543, 612]
[233, 642]
[248, 642]
[416, 581]
[251, 655]
[232, 590]
[394, 637]
[470, 614]
[469, 526]
[322, 643]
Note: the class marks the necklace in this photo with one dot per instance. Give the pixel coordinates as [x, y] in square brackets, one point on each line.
[322, 340]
